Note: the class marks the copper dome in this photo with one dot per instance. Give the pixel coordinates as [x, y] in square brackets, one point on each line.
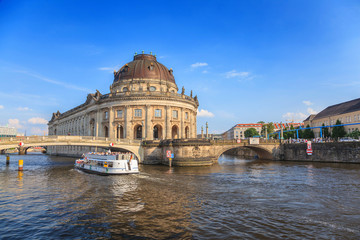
[144, 66]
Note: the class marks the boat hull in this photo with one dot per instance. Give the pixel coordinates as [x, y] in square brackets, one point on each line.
[103, 173]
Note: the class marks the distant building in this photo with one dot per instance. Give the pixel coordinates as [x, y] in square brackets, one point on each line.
[8, 132]
[346, 112]
[238, 131]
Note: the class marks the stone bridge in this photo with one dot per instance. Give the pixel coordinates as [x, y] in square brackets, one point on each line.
[45, 141]
[187, 152]
[203, 152]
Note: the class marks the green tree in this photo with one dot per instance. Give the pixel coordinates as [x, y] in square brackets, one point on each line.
[339, 131]
[269, 126]
[291, 134]
[308, 133]
[325, 132]
[354, 134]
[250, 132]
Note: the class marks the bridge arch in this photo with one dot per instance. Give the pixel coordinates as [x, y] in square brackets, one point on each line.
[262, 152]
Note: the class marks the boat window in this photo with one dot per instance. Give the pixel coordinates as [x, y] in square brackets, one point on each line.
[110, 164]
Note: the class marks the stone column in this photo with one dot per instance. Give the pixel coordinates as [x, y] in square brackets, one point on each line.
[182, 130]
[168, 122]
[193, 129]
[207, 131]
[149, 135]
[143, 129]
[111, 122]
[127, 127]
[97, 123]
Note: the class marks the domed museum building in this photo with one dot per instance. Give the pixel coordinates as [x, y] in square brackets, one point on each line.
[143, 104]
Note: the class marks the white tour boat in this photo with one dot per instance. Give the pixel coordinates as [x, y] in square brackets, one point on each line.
[108, 163]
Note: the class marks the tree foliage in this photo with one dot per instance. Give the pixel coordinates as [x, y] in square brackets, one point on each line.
[250, 132]
[326, 132]
[354, 134]
[308, 133]
[338, 131]
[269, 126]
[291, 134]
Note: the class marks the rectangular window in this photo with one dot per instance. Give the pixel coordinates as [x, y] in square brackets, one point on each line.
[186, 115]
[137, 112]
[157, 112]
[106, 115]
[175, 114]
[119, 113]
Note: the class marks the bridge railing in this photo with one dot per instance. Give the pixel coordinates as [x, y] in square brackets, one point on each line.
[243, 141]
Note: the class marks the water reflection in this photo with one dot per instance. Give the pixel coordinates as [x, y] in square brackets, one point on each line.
[234, 199]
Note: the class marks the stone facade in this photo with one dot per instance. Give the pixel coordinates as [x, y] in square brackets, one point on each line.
[143, 103]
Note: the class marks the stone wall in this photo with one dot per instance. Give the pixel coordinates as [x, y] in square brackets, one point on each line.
[343, 152]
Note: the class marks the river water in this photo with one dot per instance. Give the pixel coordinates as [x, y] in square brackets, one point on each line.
[235, 199]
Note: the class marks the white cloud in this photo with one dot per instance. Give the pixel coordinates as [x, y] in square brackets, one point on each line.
[234, 73]
[23, 109]
[204, 113]
[204, 71]
[105, 68]
[296, 117]
[311, 111]
[198, 64]
[1, 106]
[38, 131]
[14, 123]
[307, 103]
[37, 120]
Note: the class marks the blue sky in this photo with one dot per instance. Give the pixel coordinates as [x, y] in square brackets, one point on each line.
[246, 60]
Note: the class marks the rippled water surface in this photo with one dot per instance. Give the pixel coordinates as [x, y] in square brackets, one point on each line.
[236, 199]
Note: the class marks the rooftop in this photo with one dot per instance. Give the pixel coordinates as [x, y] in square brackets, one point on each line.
[341, 108]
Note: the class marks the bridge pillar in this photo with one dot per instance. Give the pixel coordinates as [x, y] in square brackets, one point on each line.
[22, 150]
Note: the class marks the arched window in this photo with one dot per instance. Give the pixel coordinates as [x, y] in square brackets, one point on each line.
[138, 132]
[187, 132]
[106, 131]
[120, 132]
[175, 132]
[157, 132]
